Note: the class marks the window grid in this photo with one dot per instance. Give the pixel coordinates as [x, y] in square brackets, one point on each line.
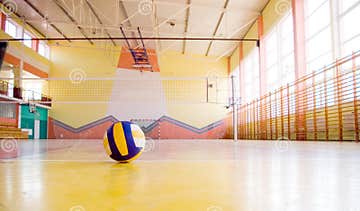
[17, 31]
[319, 42]
[11, 28]
[347, 19]
[280, 50]
[27, 43]
[252, 78]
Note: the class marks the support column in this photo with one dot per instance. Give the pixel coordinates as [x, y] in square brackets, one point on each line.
[3, 20]
[241, 74]
[35, 45]
[262, 56]
[300, 67]
[242, 88]
[262, 74]
[235, 109]
[228, 59]
[17, 80]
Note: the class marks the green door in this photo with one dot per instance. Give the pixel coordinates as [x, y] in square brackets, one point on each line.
[28, 120]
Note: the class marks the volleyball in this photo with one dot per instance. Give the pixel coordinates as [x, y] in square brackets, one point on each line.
[124, 141]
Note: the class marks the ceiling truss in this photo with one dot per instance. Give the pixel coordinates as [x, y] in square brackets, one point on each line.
[72, 19]
[109, 28]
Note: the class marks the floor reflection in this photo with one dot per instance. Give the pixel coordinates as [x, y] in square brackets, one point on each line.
[183, 175]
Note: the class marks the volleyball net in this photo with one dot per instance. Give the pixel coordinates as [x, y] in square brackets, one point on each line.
[121, 91]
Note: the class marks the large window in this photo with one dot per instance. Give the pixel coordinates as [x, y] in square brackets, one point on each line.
[250, 66]
[280, 54]
[319, 46]
[331, 31]
[18, 31]
[349, 31]
[10, 28]
[44, 49]
[27, 42]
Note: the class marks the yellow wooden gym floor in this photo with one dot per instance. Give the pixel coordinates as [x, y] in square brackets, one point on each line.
[183, 175]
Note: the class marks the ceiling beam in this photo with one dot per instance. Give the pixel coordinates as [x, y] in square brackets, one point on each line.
[127, 29]
[155, 30]
[158, 25]
[35, 29]
[231, 9]
[45, 18]
[217, 26]
[72, 19]
[155, 23]
[179, 12]
[99, 20]
[186, 25]
[22, 19]
[233, 48]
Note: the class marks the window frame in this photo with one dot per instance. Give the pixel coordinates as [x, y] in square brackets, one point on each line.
[310, 37]
[9, 22]
[340, 20]
[46, 49]
[29, 36]
[279, 65]
[251, 82]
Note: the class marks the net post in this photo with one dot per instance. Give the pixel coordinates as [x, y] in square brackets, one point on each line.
[234, 105]
[356, 120]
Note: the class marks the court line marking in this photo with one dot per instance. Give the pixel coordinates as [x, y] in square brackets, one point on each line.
[110, 161]
[149, 161]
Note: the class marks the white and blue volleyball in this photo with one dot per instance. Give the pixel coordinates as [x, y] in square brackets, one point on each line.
[124, 141]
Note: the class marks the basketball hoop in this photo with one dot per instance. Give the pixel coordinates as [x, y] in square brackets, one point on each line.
[32, 107]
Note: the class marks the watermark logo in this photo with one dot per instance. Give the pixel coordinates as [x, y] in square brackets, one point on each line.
[11, 7]
[145, 7]
[8, 145]
[77, 208]
[77, 76]
[214, 208]
[149, 145]
[282, 144]
[282, 7]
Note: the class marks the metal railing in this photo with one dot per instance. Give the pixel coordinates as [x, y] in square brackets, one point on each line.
[8, 89]
[323, 105]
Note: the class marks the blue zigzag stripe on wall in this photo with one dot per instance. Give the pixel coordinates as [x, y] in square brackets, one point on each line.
[183, 125]
[146, 129]
[85, 127]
